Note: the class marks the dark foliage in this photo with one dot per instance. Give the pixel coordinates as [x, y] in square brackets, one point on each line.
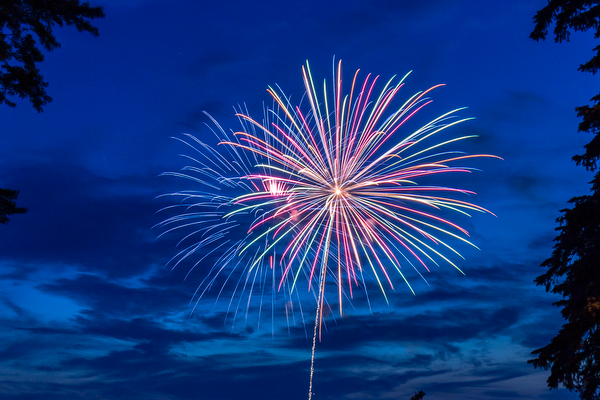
[573, 270]
[591, 124]
[418, 396]
[573, 355]
[8, 206]
[575, 15]
[578, 16]
[19, 52]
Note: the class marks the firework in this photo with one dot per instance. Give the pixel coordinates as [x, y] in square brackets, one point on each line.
[324, 192]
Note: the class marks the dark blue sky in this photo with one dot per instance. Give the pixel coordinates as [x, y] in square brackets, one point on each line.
[87, 309]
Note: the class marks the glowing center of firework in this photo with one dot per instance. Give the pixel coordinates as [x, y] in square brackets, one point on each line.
[338, 191]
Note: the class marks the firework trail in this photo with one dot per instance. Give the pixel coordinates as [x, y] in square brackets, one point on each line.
[328, 190]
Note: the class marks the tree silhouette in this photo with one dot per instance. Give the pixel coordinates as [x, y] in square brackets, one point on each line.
[19, 20]
[418, 396]
[573, 269]
[19, 75]
[8, 206]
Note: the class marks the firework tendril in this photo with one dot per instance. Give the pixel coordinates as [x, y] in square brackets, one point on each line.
[328, 190]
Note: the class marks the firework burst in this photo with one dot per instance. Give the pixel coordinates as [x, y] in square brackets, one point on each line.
[325, 191]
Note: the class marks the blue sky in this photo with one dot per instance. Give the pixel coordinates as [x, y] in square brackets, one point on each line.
[87, 307]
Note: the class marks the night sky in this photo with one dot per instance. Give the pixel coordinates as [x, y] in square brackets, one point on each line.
[88, 308]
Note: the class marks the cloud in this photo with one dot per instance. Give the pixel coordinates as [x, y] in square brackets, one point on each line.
[96, 293]
[83, 219]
